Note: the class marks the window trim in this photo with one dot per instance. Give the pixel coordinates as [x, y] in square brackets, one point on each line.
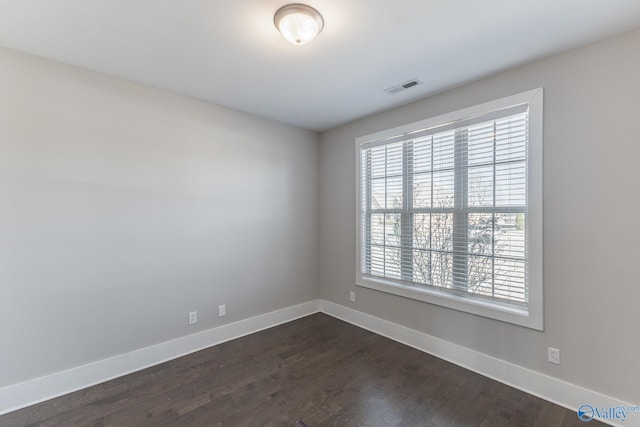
[530, 315]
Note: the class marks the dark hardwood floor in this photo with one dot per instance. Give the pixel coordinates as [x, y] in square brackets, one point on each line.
[317, 369]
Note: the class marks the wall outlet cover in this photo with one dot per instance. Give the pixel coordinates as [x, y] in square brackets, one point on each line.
[554, 355]
[193, 317]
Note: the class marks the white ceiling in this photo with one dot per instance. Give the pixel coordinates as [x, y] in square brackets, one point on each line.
[228, 52]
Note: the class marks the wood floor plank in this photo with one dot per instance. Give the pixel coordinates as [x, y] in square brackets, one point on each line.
[317, 369]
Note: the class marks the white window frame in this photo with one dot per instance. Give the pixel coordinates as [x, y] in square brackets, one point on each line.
[529, 315]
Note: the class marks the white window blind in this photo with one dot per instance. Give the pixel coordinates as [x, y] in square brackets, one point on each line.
[446, 208]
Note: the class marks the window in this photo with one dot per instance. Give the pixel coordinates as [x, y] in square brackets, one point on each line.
[450, 210]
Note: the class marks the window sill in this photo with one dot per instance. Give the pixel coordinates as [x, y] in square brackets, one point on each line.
[505, 312]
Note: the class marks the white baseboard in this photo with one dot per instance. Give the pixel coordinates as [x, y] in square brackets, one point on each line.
[27, 393]
[548, 388]
[560, 392]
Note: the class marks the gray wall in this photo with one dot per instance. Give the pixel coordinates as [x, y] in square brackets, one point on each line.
[122, 208]
[591, 234]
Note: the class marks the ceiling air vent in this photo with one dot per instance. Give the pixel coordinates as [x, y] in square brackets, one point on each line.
[404, 86]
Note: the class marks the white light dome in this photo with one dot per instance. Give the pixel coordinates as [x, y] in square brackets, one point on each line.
[298, 23]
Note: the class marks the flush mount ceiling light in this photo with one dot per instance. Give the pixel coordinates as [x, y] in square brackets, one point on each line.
[298, 23]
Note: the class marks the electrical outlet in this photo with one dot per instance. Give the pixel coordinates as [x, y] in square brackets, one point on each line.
[352, 296]
[554, 355]
[222, 310]
[193, 317]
